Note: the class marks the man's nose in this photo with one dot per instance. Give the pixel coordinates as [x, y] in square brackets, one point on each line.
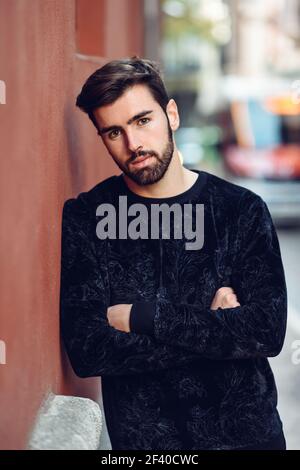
[133, 141]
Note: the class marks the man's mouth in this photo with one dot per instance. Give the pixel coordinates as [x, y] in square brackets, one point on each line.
[139, 162]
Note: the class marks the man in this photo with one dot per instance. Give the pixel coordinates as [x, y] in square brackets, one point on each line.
[179, 336]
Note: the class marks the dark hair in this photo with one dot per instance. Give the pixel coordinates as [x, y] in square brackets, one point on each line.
[109, 82]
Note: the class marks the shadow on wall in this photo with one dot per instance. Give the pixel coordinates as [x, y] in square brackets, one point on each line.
[75, 151]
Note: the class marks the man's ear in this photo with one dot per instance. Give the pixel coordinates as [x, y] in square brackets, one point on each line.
[173, 115]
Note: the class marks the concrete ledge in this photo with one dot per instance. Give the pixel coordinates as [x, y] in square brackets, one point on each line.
[67, 423]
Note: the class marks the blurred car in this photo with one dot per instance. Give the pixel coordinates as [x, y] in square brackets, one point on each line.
[274, 174]
[261, 160]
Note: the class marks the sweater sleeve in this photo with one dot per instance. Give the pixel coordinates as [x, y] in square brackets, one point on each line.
[254, 329]
[93, 346]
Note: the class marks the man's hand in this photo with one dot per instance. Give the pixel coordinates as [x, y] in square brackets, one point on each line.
[118, 316]
[224, 298]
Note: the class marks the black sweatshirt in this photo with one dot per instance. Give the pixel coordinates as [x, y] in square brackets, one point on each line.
[186, 377]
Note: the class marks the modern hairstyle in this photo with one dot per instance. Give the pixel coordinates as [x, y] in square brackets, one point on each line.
[109, 82]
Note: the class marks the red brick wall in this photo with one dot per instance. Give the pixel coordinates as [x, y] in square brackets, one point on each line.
[49, 152]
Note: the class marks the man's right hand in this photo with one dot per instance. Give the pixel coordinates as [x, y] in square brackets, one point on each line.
[224, 298]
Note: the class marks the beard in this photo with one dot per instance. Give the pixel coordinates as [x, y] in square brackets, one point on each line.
[153, 172]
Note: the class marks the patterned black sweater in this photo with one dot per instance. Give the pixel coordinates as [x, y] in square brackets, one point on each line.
[186, 377]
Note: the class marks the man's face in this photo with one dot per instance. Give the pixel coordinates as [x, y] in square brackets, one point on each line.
[137, 134]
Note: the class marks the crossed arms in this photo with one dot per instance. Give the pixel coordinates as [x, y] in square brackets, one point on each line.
[97, 336]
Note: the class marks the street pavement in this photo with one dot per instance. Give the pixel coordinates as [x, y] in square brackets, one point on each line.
[286, 366]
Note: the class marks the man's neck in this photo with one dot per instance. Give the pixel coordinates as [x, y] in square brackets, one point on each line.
[176, 180]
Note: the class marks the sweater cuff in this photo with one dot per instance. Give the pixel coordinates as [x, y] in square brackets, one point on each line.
[142, 317]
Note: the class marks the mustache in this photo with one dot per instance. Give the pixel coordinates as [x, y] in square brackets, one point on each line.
[142, 153]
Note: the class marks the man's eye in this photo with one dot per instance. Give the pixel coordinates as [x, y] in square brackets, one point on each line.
[144, 120]
[113, 134]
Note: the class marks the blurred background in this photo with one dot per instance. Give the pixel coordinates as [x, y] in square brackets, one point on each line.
[233, 67]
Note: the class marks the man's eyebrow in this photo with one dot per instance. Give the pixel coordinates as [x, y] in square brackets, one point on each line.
[104, 130]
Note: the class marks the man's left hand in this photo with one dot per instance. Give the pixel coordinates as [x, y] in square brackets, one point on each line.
[118, 316]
